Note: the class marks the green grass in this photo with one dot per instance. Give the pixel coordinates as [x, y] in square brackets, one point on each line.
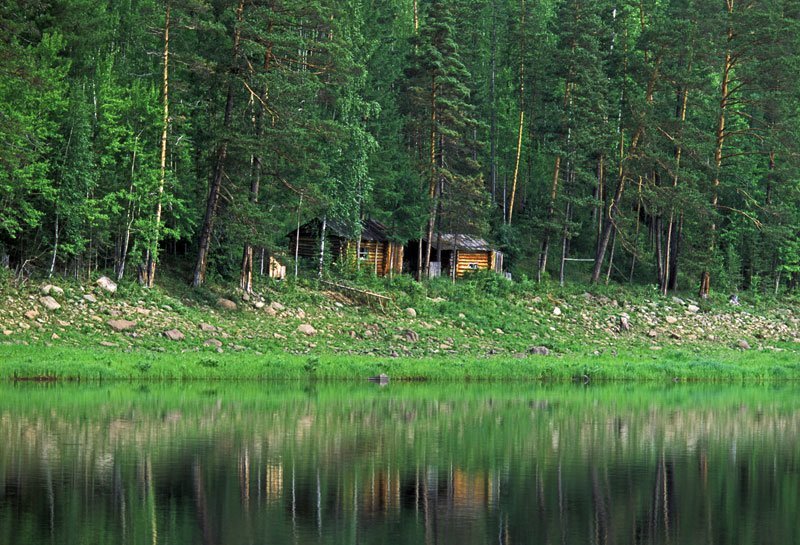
[39, 362]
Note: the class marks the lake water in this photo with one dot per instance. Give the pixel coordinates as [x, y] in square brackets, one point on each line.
[230, 463]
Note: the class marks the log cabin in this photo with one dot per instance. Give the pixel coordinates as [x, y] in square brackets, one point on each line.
[471, 254]
[375, 251]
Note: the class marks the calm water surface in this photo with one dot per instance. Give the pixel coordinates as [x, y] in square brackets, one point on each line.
[228, 463]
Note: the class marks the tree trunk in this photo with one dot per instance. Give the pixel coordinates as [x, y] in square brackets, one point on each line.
[613, 209]
[152, 249]
[219, 166]
[521, 112]
[322, 245]
[720, 143]
[433, 185]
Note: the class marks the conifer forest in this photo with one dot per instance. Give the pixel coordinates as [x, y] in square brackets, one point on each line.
[646, 141]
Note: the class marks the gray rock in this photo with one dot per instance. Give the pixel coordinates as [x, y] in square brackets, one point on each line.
[411, 312]
[693, 308]
[744, 345]
[107, 284]
[50, 289]
[624, 324]
[108, 344]
[226, 304]
[306, 329]
[89, 298]
[49, 303]
[556, 311]
[174, 335]
[121, 325]
[677, 300]
[276, 306]
[259, 304]
[539, 351]
[672, 320]
[411, 335]
[32, 314]
[216, 343]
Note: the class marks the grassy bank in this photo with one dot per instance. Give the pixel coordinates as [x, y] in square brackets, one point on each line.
[69, 363]
[481, 328]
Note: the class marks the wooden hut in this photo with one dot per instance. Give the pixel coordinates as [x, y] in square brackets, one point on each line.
[459, 253]
[374, 250]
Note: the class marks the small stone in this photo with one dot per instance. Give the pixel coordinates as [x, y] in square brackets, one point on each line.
[556, 311]
[276, 306]
[394, 354]
[624, 324]
[50, 289]
[259, 304]
[539, 351]
[216, 343]
[7, 332]
[207, 327]
[677, 301]
[89, 298]
[54, 337]
[278, 336]
[536, 300]
[410, 335]
[672, 320]
[174, 335]
[301, 313]
[142, 311]
[411, 313]
[674, 335]
[49, 303]
[246, 297]
[121, 325]
[652, 333]
[108, 344]
[107, 284]
[32, 314]
[271, 311]
[744, 345]
[306, 329]
[693, 308]
[226, 304]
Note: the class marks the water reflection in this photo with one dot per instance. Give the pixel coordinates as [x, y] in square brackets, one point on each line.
[300, 463]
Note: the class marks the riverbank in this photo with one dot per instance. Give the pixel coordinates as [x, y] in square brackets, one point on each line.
[46, 363]
[484, 328]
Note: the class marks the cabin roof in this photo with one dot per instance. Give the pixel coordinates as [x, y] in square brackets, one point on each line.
[371, 230]
[462, 242]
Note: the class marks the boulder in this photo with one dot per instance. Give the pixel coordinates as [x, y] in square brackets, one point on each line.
[49, 303]
[174, 335]
[306, 329]
[539, 351]
[89, 298]
[207, 328]
[50, 289]
[105, 283]
[216, 343]
[121, 325]
[226, 304]
[411, 313]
